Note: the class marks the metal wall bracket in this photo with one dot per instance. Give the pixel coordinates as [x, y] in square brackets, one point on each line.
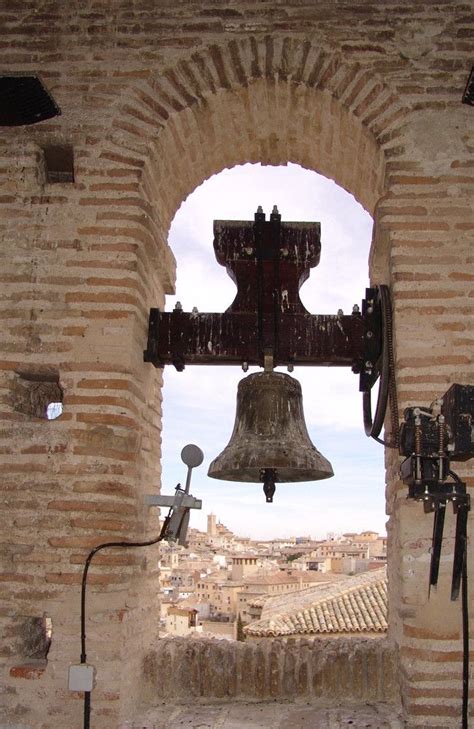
[185, 500]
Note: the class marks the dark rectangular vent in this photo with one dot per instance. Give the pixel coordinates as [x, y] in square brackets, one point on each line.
[25, 100]
[468, 96]
[59, 163]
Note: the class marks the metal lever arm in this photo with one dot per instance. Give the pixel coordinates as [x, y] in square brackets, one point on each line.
[437, 541]
[460, 547]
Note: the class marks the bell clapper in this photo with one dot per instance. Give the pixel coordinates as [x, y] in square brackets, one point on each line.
[268, 476]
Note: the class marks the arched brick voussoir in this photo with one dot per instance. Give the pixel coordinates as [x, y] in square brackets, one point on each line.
[268, 122]
[267, 99]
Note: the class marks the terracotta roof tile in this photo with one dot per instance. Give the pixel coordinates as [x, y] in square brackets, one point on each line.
[356, 604]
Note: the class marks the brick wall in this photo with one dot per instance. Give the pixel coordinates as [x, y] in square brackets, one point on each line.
[155, 98]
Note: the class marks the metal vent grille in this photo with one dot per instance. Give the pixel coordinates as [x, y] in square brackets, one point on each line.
[24, 100]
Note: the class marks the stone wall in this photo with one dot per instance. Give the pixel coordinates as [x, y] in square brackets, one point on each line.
[155, 98]
[339, 670]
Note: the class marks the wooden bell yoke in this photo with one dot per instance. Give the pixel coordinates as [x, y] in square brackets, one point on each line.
[267, 323]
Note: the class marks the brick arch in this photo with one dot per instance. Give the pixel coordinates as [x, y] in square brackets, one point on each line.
[268, 99]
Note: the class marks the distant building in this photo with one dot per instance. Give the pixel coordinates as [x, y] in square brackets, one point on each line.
[270, 584]
[321, 564]
[219, 593]
[211, 525]
[197, 539]
[244, 565]
[182, 621]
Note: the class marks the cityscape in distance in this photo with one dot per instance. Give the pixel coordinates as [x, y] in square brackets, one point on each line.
[230, 587]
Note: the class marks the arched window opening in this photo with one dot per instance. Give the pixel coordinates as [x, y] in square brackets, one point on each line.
[199, 403]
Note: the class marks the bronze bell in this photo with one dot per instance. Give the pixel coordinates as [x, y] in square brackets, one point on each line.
[270, 442]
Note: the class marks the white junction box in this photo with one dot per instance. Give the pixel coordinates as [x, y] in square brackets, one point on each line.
[81, 677]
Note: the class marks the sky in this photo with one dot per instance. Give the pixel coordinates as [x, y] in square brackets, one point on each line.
[199, 404]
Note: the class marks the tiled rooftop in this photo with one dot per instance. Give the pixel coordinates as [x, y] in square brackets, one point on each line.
[285, 578]
[354, 605]
[321, 578]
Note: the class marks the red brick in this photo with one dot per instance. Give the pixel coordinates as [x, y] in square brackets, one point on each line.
[15, 577]
[109, 557]
[413, 180]
[415, 631]
[113, 525]
[27, 671]
[91, 506]
[433, 656]
[75, 578]
[107, 419]
[75, 542]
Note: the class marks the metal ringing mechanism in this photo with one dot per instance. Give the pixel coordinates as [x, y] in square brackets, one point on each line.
[268, 326]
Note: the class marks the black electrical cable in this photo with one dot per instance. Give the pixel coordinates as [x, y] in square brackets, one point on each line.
[393, 397]
[465, 626]
[367, 412]
[465, 641]
[374, 426]
[91, 555]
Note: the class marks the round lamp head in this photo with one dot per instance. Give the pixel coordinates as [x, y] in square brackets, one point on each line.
[192, 456]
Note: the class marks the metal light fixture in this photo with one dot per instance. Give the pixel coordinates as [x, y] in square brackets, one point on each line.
[25, 100]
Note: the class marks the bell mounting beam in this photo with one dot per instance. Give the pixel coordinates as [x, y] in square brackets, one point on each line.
[268, 261]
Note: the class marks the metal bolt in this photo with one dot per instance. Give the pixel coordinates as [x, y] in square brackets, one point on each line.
[268, 361]
[178, 306]
[355, 309]
[195, 310]
[290, 368]
[275, 210]
[340, 313]
[369, 335]
[259, 209]
[245, 366]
